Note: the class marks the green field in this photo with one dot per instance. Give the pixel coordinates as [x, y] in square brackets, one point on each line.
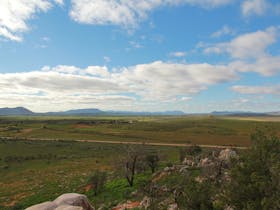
[195, 130]
[35, 171]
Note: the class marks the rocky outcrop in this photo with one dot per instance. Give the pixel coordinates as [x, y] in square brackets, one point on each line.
[69, 201]
[227, 154]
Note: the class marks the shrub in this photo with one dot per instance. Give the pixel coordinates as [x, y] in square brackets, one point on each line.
[255, 179]
[97, 181]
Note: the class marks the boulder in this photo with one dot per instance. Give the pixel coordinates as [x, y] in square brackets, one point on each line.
[227, 154]
[69, 201]
[73, 199]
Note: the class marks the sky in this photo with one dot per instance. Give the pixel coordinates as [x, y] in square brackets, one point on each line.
[196, 56]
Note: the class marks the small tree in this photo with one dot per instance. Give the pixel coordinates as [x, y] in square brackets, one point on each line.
[97, 181]
[152, 161]
[131, 162]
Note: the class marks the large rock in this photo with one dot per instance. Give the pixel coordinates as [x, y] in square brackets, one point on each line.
[227, 154]
[73, 199]
[69, 201]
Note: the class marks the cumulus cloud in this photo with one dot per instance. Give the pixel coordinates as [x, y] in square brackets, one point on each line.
[127, 13]
[259, 7]
[249, 45]
[266, 65]
[250, 7]
[15, 14]
[257, 89]
[96, 86]
[160, 80]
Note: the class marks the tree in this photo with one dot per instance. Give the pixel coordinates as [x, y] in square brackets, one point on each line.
[255, 180]
[152, 161]
[97, 181]
[131, 162]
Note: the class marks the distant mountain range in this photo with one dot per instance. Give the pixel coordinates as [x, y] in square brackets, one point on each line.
[80, 112]
[92, 112]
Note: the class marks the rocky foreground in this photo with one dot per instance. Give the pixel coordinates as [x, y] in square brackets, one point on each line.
[74, 201]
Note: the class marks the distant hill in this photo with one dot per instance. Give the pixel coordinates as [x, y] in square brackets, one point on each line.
[92, 112]
[274, 113]
[144, 113]
[238, 113]
[77, 112]
[81, 112]
[15, 111]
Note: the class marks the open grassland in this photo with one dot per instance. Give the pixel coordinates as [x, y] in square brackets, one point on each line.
[35, 171]
[207, 130]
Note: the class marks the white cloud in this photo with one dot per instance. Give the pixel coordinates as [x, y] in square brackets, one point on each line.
[127, 13]
[60, 2]
[208, 3]
[254, 7]
[266, 65]
[159, 80]
[250, 45]
[14, 15]
[8, 35]
[70, 86]
[225, 30]
[178, 54]
[259, 7]
[257, 89]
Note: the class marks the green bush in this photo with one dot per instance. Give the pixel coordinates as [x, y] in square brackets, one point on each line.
[255, 180]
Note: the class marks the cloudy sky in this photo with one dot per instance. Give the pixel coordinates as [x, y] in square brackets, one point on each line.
[148, 55]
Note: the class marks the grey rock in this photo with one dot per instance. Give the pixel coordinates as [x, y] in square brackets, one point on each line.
[69, 201]
[227, 154]
[73, 199]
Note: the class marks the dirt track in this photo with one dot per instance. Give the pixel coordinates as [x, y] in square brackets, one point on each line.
[130, 143]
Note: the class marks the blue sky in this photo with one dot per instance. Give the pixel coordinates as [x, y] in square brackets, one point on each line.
[150, 55]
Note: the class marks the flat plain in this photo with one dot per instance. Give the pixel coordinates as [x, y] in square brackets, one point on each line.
[207, 130]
